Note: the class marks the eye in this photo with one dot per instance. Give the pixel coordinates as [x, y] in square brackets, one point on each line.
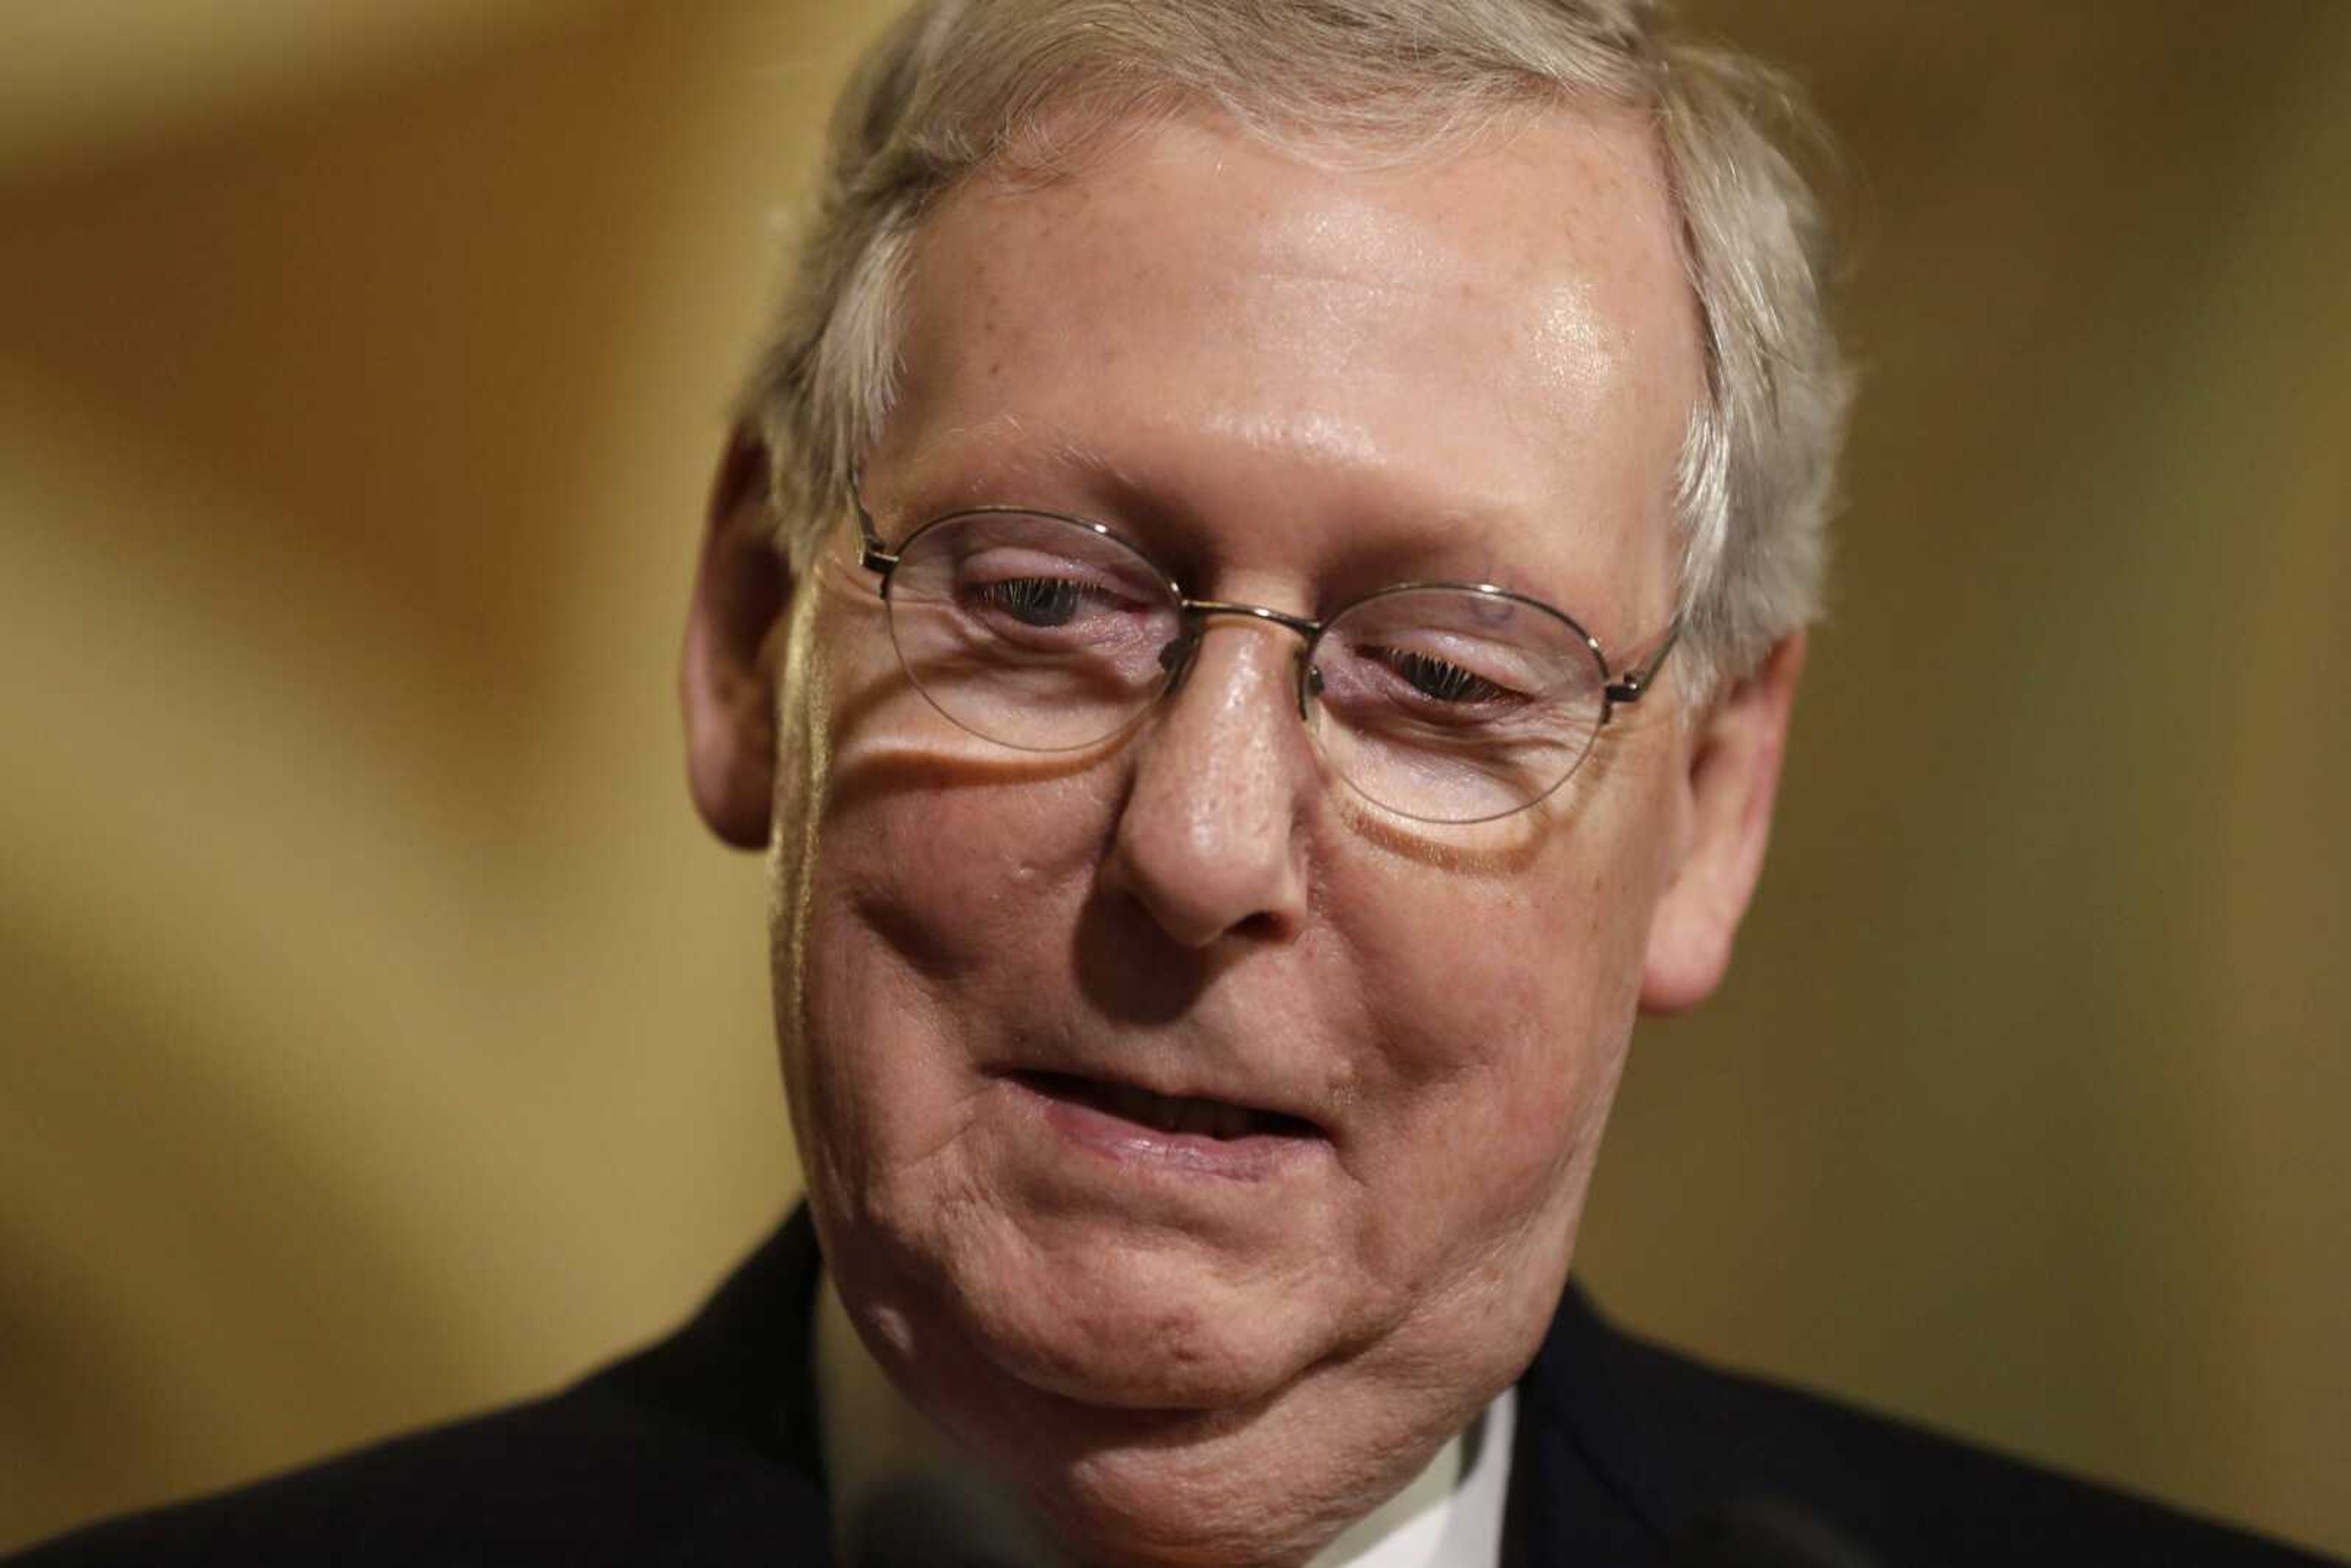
[1033, 601]
[1440, 680]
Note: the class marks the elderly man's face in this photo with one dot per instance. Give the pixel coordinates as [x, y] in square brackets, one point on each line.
[996, 970]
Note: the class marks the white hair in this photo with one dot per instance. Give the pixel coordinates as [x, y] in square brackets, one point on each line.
[1023, 86]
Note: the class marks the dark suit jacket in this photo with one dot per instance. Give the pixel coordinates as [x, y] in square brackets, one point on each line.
[702, 1451]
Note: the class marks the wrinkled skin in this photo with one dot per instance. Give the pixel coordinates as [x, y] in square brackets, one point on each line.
[1292, 385]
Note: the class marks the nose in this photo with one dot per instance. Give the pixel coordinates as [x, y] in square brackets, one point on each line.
[1208, 839]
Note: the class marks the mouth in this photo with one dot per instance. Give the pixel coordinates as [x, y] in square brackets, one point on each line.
[1171, 1115]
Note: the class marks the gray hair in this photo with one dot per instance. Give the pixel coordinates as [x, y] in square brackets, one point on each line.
[955, 86]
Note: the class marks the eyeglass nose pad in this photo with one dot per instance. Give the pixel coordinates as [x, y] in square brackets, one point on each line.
[1176, 658]
[1310, 685]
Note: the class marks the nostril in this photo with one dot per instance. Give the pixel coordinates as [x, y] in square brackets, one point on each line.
[1263, 925]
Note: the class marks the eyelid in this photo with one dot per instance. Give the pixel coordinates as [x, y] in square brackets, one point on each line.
[1487, 659]
[1024, 561]
[1008, 561]
[1080, 520]
[1192, 583]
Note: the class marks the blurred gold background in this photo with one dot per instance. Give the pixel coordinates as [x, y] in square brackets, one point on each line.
[379, 1037]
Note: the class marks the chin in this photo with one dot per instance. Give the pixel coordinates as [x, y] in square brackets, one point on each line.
[1152, 1296]
[1148, 1324]
[1239, 1433]
[1061, 1306]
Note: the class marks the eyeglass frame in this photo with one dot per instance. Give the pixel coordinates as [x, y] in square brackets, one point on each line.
[1615, 689]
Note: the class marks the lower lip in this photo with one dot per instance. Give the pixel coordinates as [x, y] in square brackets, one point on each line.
[1257, 1157]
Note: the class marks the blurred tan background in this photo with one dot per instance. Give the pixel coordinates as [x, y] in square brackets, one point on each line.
[379, 1037]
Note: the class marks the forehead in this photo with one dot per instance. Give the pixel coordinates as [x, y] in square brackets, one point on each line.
[1469, 348]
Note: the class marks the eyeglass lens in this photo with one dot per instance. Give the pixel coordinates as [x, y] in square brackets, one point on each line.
[1440, 703]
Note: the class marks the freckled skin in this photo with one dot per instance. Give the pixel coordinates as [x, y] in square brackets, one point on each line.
[1288, 372]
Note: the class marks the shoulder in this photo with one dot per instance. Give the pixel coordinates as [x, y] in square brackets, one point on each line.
[694, 1452]
[585, 1477]
[1681, 1442]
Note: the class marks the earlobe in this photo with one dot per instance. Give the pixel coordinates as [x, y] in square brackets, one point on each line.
[1732, 781]
[726, 682]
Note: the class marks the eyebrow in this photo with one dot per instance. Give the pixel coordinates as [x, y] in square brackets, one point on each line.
[1070, 452]
[1062, 451]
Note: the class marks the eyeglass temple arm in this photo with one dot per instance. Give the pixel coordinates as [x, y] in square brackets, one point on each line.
[1629, 687]
[870, 553]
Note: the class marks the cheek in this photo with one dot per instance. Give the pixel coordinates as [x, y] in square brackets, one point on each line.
[970, 883]
[934, 903]
[1504, 1004]
[1506, 977]
[922, 856]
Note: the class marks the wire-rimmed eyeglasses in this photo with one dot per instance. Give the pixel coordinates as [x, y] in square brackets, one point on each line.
[1443, 702]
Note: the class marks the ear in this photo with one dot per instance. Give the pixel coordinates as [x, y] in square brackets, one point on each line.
[1734, 776]
[727, 683]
